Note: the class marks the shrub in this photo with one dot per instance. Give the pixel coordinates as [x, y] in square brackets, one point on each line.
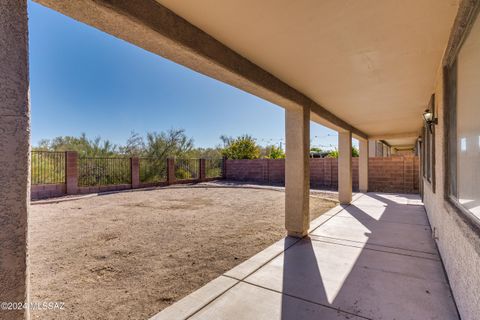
[243, 147]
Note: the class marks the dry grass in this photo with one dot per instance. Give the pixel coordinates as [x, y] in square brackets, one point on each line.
[129, 255]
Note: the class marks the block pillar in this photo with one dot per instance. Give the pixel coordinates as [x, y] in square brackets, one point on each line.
[297, 171]
[171, 171]
[363, 166]
[345, 167]
[15, 155]
[224, 168]
[202, 174]
[135, 172]
[71, 172]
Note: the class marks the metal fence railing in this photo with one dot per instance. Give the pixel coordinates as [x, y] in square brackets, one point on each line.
[186, 169]
[47, 167]
[213, 168]
[152, 170]
[103, 171]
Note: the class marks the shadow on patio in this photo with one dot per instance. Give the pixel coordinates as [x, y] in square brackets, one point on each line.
[373, 259]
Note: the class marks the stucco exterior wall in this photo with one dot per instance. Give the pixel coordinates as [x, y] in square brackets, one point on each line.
[14, 154]
[458, 242]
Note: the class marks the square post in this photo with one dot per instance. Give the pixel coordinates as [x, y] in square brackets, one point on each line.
[15, 155]
[224, 167]
[135, 172]
[297, 171]
[202, 173]
[363, 166]
[71, 172]
[345, 167]
[171, 171]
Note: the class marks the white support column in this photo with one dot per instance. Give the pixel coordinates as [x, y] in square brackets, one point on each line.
[297, 171]
[345, 167]
[14, 155]
[363, 166]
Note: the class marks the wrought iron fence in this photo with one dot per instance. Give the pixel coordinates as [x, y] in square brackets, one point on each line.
[213, 168]
[152, 170]
[186, 169]
[47, 167]
[103, 171]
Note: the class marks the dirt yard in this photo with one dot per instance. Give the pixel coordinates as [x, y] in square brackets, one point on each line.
[129, 255]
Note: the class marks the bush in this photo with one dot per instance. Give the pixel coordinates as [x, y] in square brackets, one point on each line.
[274, 152]
[243, 147]
[334, 153]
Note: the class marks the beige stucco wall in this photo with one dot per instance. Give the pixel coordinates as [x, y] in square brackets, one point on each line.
[457, 241]
[14, 154]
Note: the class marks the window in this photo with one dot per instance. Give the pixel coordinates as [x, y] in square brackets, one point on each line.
[382, 149]
[428, 144]
[463, 120]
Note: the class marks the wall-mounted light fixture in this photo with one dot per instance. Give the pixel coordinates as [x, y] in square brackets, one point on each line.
[429, 114]
[429, 119]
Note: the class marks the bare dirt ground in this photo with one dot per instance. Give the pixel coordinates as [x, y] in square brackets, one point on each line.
[129, 255]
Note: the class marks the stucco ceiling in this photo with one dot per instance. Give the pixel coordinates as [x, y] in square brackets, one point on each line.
[372, 63]
[401, 142]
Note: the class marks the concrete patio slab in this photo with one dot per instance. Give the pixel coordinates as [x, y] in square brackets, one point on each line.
[186, 307]
[354, 223]
[406, 214]
[395, 235]
[251, 265]
[358, 244]
[374, 215]
[373, 259]
[365, 282]
[319, 221]
[400, 209]
[247, 302]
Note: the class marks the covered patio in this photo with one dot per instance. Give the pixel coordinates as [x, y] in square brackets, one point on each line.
[365, 69]
[372, 259]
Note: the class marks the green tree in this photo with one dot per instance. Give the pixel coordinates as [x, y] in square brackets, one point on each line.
[84, 146]
[135, 145]
[243, 147]
[274, 152]
[355, 152]
[207, 153]
[334, 153]
[173, 143]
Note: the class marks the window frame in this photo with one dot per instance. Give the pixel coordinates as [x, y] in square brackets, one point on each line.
[466, 17]
[428, 147]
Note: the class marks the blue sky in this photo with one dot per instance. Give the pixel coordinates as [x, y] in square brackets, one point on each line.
[84, 80]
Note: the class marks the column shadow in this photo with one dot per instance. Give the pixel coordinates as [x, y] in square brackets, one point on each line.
[366, 283]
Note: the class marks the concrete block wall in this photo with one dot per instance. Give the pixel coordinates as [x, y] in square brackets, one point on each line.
[255, 170]
[386, 174]
[394, 174]
[43, 191]
[97, 189]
